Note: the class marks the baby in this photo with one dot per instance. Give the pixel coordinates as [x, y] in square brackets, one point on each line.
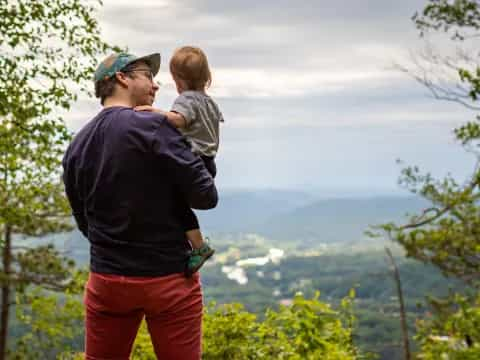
[197, 117]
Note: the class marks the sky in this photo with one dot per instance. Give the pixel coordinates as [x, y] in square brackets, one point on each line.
[310, 95]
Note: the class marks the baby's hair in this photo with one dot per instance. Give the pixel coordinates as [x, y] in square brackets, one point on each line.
[190, 64]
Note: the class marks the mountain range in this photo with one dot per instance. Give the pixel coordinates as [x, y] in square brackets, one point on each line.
[286, 216]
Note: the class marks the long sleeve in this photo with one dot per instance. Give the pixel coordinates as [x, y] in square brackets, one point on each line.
[188, 170]
[76, 203]
[189, 220]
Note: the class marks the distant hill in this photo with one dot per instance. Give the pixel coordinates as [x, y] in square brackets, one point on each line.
[337, 220]
[298, 216]
[240, 211]
[287, 215]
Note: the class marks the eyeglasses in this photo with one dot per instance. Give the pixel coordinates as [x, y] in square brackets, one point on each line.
[147, 72]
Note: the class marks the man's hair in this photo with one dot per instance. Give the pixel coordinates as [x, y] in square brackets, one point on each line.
[190, 65]
[105, 88]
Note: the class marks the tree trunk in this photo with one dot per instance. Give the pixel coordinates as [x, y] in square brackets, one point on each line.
[403, 317]
[7, 259]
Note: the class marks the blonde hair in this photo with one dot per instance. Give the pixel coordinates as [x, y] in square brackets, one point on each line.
[190, 65]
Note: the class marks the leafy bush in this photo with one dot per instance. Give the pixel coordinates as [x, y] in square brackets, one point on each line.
[453, 333]
[308, 329]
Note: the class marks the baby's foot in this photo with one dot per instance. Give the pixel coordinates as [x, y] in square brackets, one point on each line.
[198, 258]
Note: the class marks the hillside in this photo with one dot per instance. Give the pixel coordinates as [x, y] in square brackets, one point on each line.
[337, 220]
[297, 216]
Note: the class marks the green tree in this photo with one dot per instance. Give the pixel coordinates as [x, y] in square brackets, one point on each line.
[48, 51]
[447, 234]
[53, 322]
[453, 332]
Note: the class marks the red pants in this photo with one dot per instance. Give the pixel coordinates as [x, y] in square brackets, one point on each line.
[115, 306]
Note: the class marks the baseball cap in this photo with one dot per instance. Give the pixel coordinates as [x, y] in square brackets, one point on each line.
[116, 62]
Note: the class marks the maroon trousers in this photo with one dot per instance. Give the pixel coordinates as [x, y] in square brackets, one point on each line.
[115, 306]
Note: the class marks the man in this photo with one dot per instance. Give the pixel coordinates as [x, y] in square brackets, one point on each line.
[131, 179]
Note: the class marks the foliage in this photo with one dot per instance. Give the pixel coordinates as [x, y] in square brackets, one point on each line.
[48, 52]
[377, 329]
[53, 323]
[452, 333]
[143, 349]
[308, 329]
[455, 17]
[447, 234]
[48, 48]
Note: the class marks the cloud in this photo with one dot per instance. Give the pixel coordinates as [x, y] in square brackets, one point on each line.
[306, 88]
[259, 83]
[272, 34]
[271, 48]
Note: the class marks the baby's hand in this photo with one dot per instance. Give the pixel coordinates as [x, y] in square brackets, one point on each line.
[148, 108]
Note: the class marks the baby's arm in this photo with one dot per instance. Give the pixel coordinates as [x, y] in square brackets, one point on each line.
[176, 119]
[189, 223]
[173, 118]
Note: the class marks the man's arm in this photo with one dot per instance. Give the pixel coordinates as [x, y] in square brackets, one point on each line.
[187, 169]
[189, 220]
[75, 203]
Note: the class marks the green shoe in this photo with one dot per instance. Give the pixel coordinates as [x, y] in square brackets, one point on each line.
[197, 259]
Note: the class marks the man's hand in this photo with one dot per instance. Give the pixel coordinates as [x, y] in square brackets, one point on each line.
[148, 108]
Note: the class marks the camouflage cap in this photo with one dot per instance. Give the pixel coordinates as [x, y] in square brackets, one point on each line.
[116, 62]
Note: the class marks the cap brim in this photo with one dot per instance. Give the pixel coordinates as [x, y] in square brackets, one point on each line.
[153, 62]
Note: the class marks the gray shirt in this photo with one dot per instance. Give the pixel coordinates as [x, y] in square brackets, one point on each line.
[202, 117]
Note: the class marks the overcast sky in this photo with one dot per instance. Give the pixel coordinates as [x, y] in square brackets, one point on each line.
[308, 91]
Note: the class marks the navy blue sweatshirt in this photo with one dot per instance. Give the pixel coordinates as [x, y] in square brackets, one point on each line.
[131, 179]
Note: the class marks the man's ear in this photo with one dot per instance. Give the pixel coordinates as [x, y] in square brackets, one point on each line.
[122, 79]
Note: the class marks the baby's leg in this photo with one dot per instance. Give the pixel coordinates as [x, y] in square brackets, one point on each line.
[195, 237]
[201, 252]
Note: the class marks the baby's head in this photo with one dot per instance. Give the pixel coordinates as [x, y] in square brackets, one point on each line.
[189, 68]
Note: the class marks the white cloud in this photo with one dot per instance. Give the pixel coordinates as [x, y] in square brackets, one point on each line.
[260, 83]
[309, 80]
[142, 4]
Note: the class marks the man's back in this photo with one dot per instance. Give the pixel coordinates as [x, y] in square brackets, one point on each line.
[129, 176]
